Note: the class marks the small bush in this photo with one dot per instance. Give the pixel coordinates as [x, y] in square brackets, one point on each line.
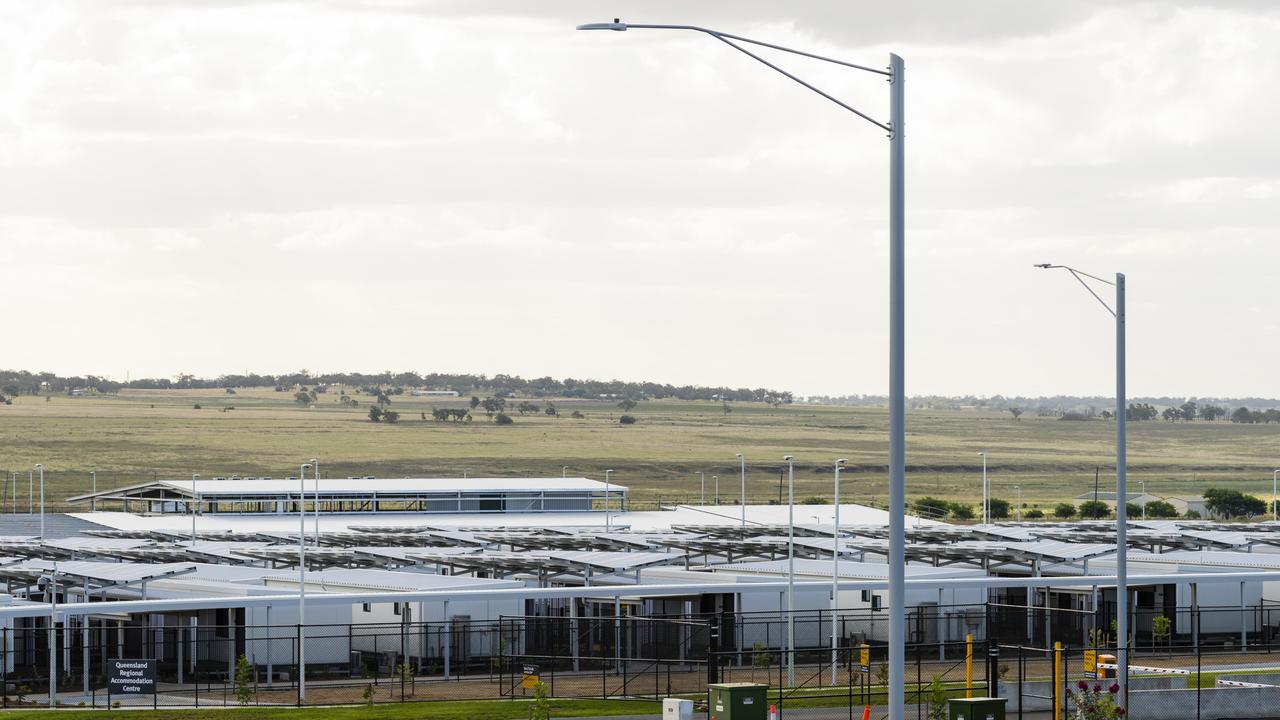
[627, 420]
[196, 406]
[1033, 514]
[503, 419]
[577, 415]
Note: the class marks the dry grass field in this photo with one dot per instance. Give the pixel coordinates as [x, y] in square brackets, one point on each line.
[141, 434]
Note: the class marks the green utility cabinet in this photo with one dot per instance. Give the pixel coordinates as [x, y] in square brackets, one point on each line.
[976, 708]
[738, 701]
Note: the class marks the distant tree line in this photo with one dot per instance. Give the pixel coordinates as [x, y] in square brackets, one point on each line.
[22, 382]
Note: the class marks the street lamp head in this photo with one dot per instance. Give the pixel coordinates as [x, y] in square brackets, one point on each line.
[616, 25]
[840, 462]
[306, 466]
[788, 458]
[1045, 266]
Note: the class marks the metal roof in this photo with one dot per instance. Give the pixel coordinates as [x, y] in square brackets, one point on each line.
[282, 487]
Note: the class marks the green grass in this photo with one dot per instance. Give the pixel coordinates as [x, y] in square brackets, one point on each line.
[128, 438]
[442, 710]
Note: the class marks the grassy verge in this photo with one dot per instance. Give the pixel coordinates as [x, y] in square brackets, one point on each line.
[443, 710]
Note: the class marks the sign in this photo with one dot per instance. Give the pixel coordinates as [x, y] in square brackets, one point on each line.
[529, 676]
[864, 658]
[131, 677]
[1091, 664]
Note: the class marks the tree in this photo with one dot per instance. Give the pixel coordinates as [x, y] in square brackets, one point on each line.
[1232, 503]
[475, 402]
[1170, 414]
[1065, 510]
[1212, 412]
[1161, 509]
[938, 700]
[1160, 629]
[1093, 510]
[552, 411]
[577, 415]
[302, 398]
[627, 420]
[627, 404]
[375, 413]
[244, 680]
[390, 416]
[503, 419]
[1188, 410]
[1243, 415]
[1133, 510]
[527, 407]
[1016, 412]
[999, 508]
[931, 507]
[541, 709]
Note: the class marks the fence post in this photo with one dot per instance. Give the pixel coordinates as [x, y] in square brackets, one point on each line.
[968, 665]
[1058, 682]
[1022, 677]
[1199, 682]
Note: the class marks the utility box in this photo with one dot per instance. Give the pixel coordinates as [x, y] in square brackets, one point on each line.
[976, 708]
[738, 701]
[1109, 672]
[677, 709]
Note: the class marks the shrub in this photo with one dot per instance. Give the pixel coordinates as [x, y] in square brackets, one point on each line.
[196, 407]
[961, 511]
[999, 508]
[503, 419]
[1064, 510]
[627, 420]
[1161, 509]
[1033, 514]
[576, 415]
[244, 680]
[1094, 510]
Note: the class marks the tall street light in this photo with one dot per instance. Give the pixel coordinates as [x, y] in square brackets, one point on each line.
[791, 570]
[1143, 483]
[315, 510]
[702, 494]
[194, 508]
[835, 573]
[897, 316]
[40, 469]
[986, 504]
[302, 581]
[1274, 475]
[742, 502]
[715, 481]
[607, 473]
[1122, 511]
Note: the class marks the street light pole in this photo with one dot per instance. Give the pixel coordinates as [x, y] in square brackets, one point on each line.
[835, 574]
[985, 503]
[897, 327]
[40, 469]
[93, 503]
[564, 471]
[791, 570]
[315, 510]
[1018, 490]
[1122, 484]
[302, 582]
[1274, 475]
[715, 481]
[194, 508]
[702, 493]
[1143, 483]
[607, 473]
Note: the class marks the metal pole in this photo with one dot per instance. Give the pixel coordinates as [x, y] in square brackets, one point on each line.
[1122, 544]
[835, 574]
[1274, 475]
[985, 503]
[1018, 488]
[564, 471]
[791, 571]
[743, 461]
[93, 503]
[41, 469]
[53, 636]
[897, 393]
[1143, 483]
[715, 479]
[302, 582]
[606, 501]
[702, 496]
[195, 509]
[316, 510]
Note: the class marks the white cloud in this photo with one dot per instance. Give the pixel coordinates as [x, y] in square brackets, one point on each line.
[200, 186]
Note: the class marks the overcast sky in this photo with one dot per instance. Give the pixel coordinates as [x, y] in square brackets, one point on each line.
[214, 187]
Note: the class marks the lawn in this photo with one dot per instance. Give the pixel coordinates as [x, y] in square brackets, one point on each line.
[143, 434]
[444, 710]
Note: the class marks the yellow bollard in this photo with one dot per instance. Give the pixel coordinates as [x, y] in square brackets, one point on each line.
[968, 666]
[1057, 681]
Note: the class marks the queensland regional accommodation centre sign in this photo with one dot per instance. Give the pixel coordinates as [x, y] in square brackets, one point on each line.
[131, 677]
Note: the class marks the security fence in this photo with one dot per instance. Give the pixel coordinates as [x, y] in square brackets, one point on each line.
[632, 657]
